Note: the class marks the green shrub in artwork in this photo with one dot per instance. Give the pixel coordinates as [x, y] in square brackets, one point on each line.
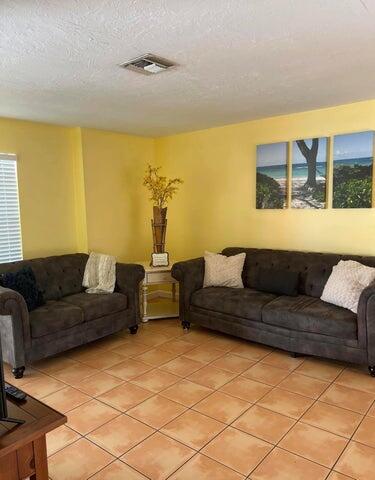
[269, 194]
[353, 194]
[352, 186]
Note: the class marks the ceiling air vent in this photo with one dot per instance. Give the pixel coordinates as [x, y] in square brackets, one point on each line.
[148, 64]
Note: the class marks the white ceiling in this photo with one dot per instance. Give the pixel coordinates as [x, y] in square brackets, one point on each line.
[238, 60]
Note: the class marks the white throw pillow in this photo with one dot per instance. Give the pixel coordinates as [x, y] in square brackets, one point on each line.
[346, 283]
[222, 271]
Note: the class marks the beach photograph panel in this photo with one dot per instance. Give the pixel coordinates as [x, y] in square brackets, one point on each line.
[271, 181]
[352, 170]
[309, 173]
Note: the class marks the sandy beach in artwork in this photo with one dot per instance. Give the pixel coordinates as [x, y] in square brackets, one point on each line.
[301, 198]
[308, 174]
[282, 182]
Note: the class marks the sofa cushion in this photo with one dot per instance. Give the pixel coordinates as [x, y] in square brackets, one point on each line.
[310, 314]
[96, 305]
[314, 268]
[245, 302]
[54, 316]
[280, 282]
[56, 276]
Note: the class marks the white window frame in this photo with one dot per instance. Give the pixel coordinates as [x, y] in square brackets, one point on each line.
[10, 228]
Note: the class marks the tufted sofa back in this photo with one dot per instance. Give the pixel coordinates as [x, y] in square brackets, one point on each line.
[314, 268]
[57, 276]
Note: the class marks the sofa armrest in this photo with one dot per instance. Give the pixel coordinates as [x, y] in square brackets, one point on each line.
[366, 322]
[190, 275]
[14, 327]
[128, 278]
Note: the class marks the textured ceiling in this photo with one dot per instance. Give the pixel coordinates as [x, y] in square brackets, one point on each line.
[238, 60]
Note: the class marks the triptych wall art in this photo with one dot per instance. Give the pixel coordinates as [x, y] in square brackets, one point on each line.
[352, 170]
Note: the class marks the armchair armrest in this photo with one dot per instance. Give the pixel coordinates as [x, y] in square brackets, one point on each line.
[366, 322]
[190, 275]
[14, 327]
[128, 278]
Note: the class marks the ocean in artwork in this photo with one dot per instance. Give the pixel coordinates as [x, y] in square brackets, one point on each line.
[298, 171]
[278, 172]
[351, 162]
[271, 181]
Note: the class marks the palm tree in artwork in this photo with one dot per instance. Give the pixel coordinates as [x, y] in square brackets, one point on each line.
[310, 155]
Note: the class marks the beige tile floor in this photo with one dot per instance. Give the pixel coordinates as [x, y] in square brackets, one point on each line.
[203, 406]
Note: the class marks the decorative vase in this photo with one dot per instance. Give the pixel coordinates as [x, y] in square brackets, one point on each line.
[159, 228]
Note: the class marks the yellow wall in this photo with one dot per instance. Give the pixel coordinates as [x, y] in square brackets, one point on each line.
[82, 189]
[215, 207]
[45, 185]
[117, 206]
[79, 191]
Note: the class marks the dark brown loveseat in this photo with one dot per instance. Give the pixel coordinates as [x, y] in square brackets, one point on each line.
[70, 317]
[303, 324]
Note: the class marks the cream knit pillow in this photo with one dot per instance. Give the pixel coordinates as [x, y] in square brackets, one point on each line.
[222, 271]
[346, 283]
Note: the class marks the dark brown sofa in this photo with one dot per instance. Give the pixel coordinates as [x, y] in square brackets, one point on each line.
[70, 317]
[303, 324]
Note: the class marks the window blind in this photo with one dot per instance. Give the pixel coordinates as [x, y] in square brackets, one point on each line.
[10, 225]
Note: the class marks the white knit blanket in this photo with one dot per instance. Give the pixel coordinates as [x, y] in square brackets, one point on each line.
[100, 273]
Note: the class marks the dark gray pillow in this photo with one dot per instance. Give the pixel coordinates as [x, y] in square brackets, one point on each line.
[280, 282]
[23, 281]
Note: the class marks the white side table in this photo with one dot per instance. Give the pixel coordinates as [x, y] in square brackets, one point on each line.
[157, 276]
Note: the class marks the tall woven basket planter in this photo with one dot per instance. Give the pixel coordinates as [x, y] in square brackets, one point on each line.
[159, 228]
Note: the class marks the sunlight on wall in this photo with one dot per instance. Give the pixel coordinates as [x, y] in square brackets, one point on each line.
[117, 206]
[45, 185]
[215, 207]
[81, 189]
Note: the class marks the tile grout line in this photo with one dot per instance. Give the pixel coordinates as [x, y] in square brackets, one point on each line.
[300, 420]
[226, 425]
[353, 434]
[190, 408]
[237, 375]
[156, 430]
[296, 422]
[214, 390]
[115, 457]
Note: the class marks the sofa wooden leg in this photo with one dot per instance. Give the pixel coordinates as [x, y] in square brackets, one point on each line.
[185, 325]
[134, 329]
[371, 369]
[295, 355]
[18, 372]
